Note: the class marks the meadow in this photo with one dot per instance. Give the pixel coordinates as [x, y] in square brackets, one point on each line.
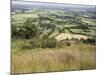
[74, 57]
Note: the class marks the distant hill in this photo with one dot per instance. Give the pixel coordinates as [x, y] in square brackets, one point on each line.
[23, 5]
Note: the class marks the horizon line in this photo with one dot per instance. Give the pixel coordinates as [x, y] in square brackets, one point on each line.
[52, 2]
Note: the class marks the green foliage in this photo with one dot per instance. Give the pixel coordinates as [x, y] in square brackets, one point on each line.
[26, 31]
[21, 44]
[91, 40]
[38, 25]
[36, 43]
[24, 44]
[48, 43]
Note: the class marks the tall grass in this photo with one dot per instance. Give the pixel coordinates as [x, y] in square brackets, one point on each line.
[74, 57]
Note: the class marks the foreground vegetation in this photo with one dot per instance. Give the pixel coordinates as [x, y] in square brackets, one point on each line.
[74, 57]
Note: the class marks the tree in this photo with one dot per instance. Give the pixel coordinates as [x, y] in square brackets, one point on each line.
[26, 30]
[30, 28]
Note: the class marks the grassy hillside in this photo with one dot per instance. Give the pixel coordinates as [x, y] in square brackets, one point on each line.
[75, 57]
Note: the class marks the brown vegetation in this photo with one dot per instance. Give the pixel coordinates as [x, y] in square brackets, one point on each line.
[74, 57]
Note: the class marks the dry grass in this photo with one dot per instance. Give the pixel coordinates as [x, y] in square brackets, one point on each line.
[75, 57]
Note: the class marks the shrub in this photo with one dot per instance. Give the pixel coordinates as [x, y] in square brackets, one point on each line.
[68, 44]
[48, 43]
[26, 46]
[21, 44]
[36, 43]
[90, 41]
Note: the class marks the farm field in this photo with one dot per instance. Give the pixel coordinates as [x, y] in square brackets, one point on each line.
[50, 37]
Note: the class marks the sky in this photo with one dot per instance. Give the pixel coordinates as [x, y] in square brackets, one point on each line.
[86, 2]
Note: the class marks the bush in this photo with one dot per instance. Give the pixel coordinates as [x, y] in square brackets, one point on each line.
[36, 43]
[68, 43]
[26, 46]
[90, 41]
[21, 44]
[48, 43]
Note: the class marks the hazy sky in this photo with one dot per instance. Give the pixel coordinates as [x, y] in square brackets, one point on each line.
[87, 2]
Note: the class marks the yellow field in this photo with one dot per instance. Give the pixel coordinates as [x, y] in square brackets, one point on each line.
[74, 57]
[70, 36]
